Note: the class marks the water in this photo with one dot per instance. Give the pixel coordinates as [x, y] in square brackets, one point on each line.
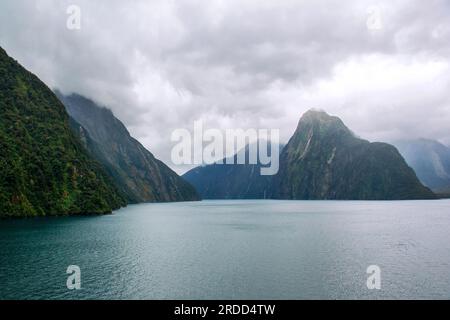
[233, 250]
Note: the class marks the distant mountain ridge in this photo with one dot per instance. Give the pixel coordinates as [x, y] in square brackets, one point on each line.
[88, 163]
[231, 181]
[430, 160]
[135, 171]
[324, 160]
[45, 170]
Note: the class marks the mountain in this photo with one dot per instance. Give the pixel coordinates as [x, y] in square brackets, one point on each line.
[45, 170]
[322, 160]
[325, 160]
[430, 160]
[135, 171]
[231, 181]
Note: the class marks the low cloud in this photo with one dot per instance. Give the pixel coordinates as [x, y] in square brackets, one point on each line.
[160, 65]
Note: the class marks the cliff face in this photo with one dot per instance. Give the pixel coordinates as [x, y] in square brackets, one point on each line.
[135, 171]
[44, 168]
[324, 160]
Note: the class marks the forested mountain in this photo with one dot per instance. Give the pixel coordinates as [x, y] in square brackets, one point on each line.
[135, 171]
[45, 170]
[323, 160]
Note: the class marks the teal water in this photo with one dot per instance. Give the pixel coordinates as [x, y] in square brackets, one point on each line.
[233, 250]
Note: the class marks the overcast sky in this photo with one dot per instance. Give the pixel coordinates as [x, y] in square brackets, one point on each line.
[382, 66]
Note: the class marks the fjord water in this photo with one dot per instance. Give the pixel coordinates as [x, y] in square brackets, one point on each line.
[233, 250]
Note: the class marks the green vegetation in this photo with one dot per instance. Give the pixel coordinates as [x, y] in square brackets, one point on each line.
[323, 160]
[134, 170]
[44, 168]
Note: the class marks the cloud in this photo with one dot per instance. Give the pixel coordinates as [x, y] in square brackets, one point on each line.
[160, 65]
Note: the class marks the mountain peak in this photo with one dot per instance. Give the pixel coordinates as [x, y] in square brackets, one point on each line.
[316, 115]
[322, 160]
[325, 160]
[321, 123]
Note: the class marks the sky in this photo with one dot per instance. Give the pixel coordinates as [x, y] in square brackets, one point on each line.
[383, 67]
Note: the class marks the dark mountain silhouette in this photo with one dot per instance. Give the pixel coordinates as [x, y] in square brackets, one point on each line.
[136, 172]
[322, 160]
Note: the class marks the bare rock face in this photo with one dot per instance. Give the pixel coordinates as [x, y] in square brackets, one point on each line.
[322, 160]
[325, 160]
[135, 171]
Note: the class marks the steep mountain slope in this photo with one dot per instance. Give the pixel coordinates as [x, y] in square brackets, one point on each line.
[230, 181]
[136, 172]
[430, 160]
[44, 168]
[324, 160]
